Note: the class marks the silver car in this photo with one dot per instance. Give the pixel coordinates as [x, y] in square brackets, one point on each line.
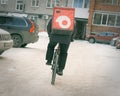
[114, 41]
[5, 41]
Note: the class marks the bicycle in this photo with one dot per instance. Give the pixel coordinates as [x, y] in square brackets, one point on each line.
[55, 64]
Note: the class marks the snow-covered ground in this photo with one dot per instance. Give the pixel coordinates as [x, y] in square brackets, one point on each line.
[91, 70]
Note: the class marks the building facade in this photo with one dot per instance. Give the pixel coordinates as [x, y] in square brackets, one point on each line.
[42, 10]
[104, 15]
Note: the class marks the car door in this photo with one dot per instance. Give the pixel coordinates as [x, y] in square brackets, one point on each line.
[101, 37]
[109, 37]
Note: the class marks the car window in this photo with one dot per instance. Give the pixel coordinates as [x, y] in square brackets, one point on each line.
[9, 20]
[2, 20]
[102, 34]
[110, 34]
[19, 22]
[6, 20]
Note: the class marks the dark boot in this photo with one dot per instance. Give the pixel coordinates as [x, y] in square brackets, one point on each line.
[60, 72]
[48, 63]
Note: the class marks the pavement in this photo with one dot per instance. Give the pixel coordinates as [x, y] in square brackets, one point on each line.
[91, 70]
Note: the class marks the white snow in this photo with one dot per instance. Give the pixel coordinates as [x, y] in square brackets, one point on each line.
[91, 70]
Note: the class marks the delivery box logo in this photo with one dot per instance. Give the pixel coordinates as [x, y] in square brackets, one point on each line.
[63, 18]
[64, 21]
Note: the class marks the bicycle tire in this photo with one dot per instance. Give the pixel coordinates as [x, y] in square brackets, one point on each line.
[54, 67]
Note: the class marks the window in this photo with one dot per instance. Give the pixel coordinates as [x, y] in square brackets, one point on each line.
[19, 5]
[113, 2]
[118, 21]
[3, 1]
[57, 3]
[106, 19]
[78, 3]
[97, 18]
[35, 3]
[86, 4]
[81, 3]
[52, 3]
[111, 20]
[49, 4]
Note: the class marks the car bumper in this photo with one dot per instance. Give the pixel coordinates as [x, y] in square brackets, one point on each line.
[4, 45]
[30, 37]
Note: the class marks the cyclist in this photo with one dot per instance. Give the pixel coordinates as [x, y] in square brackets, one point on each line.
[64, 42]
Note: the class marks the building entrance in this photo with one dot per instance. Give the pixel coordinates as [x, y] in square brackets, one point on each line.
[80, 29]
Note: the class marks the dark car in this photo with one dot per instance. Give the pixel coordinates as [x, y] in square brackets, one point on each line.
[22, 30]
[102, 37]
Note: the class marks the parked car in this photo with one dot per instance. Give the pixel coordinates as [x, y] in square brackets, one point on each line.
[5, 41]
[118, 44]
[22, 30]
[102, 37]
[114, 41]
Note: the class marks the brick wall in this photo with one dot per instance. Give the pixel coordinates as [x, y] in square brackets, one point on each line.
[98, 5]
[104, 28]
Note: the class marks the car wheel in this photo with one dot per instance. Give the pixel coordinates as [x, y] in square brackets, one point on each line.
[112, 43]
[118, 46]
[17, 40]
[1, 52]
[92, 40]
[23, 45]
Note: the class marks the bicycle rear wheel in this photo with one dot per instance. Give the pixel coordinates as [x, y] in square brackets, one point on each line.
[54, 67]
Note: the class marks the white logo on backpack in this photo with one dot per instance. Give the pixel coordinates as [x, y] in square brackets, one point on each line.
[60, 20]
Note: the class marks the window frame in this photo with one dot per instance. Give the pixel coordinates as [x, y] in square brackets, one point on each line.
[52, 3]
[107, 19]
[117, 20]
[49, 5]
[88, 4]
[111, 3]
[81, 5]
[36, 3]
[3, 1]
[19, 6]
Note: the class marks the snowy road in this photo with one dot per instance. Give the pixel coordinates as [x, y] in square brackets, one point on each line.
[92, 70]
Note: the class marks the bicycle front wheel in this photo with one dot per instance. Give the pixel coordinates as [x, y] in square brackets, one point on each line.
[54, 68]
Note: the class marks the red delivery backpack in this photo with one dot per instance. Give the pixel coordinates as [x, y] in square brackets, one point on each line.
[63, 21]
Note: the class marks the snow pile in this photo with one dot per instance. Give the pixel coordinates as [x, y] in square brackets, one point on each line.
[42, 42]
[43, 34]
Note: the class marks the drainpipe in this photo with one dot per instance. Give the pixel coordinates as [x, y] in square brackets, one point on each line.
[92, 9]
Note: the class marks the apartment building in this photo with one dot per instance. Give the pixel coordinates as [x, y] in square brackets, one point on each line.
[42, 10]
[104, 16]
